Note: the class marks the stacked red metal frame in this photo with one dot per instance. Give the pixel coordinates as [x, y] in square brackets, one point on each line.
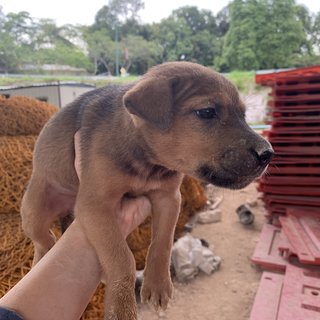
[290, 244]
[293, 179]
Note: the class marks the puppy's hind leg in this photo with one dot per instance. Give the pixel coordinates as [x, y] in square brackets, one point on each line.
[40, 207]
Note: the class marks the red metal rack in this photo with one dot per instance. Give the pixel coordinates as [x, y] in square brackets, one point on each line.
[291, 193]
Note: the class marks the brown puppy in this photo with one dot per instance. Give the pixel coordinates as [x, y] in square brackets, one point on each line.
[180, 118]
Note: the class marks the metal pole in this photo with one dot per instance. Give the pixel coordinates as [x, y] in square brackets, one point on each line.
[117, 50]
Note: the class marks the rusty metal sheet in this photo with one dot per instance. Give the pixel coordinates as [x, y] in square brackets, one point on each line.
[302, 228]
[294, 169]
[267, 300]
[267, 253]
[291, 180]
[300, 295]
[293, 296]
[289, 190]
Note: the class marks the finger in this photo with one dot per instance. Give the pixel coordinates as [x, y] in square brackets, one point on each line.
[77, 153]
[133, 212]
[139, 207]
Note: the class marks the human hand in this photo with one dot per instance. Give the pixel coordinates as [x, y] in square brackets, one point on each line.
[133, 211]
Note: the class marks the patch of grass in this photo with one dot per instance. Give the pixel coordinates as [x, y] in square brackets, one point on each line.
[117, 80]
[243, 80]
[29, 80]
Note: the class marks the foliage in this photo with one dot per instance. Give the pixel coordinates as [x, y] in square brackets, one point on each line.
[25, 41]
[263, 34]
[243, 80]
[101, 49]
[188, 34]
[8, 56]
[315, 32]
[245, 35]
[126, 9]
[138, 55]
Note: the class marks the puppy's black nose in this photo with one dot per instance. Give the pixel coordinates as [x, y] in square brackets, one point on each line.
[264, 156]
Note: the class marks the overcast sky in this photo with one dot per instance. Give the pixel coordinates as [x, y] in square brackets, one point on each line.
[83, 11]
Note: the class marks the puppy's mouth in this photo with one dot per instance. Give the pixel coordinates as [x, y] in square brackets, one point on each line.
[226, 179]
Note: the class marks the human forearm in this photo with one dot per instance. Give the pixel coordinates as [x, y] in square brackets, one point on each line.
[61, 284]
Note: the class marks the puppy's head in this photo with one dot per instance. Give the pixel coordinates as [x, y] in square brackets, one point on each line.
[194, 122]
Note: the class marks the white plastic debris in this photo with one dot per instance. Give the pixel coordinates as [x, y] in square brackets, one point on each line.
[216, 203]
[189, 257]
[211, 213]
[252, 203]
[209, 216]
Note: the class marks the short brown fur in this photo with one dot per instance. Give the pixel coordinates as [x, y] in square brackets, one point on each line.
[139, 139]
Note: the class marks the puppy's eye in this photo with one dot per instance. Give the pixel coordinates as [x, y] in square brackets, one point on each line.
[207, 113]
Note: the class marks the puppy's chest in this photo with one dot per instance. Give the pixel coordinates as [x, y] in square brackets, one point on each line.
[140, 187]
[148, 178]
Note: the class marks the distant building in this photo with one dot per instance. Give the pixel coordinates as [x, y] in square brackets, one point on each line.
[56, 93]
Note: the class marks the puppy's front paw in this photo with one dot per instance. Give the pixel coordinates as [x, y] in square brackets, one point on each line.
[120, 299]
[158, 291]
[110, 316]
[122, 312]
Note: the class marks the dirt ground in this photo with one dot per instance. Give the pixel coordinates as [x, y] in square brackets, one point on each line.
[227, 294]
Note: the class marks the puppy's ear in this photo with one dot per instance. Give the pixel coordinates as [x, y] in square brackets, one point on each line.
[152, 100]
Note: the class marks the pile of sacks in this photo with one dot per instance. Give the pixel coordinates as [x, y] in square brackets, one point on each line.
[21, 120]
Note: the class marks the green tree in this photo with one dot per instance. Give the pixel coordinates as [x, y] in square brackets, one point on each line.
[315, 32]
[126, 9]
[25, 40]
[188, 34]
[203, 29]
[119, 18]
[20, 26]
[2, 18]
[16, 39]
[101, 50]
[48, 34]
[305, 17]
[118, 13]
[8, 58]
[8, 55]
[138, 55]
[197, 20]
[239, 50]
[64, 55]
[105, 19]
[223, 21]
[263, 34]
[173, 36]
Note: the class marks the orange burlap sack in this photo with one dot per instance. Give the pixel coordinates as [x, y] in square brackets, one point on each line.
[15, 170]
[15, 252]
[23, 115]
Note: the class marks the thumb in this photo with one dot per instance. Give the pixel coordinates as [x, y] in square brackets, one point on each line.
[133, 212]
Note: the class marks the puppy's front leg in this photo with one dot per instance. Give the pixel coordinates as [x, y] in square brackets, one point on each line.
[96, 210]
[157, 286]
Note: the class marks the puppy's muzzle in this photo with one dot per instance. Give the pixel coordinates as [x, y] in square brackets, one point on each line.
[237, 168]
[263, 156]
[247, 161]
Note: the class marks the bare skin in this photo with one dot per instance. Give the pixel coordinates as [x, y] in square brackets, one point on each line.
[56, 288]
